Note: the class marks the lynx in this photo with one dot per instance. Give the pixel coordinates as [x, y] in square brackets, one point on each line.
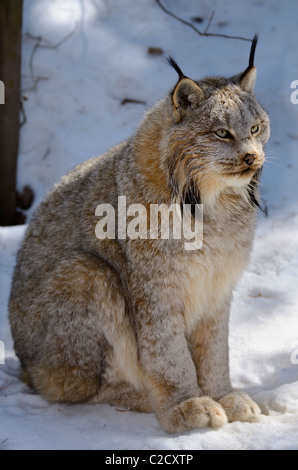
[143, 323]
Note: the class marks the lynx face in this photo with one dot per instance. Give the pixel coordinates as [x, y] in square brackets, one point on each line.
[218, 140]
[235, 132]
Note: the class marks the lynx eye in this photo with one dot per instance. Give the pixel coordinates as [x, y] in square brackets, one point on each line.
[255, 129]
[223, 134]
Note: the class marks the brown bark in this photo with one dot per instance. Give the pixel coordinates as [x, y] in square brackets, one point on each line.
[10, 75]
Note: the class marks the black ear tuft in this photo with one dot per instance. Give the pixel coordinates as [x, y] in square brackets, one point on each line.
[247, 79]
[251, 56]
[252, 51]
[185, 94]
[175, 66]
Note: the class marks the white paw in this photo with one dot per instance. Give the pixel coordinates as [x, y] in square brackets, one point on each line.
[197, 412]
[240, 407]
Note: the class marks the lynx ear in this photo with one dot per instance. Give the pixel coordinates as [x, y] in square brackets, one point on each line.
[186, 94]
[247, 79]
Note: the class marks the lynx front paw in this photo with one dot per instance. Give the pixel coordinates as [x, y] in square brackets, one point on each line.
[240, 407]
[198, 412]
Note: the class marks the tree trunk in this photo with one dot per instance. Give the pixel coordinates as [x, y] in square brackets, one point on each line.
[10, 75]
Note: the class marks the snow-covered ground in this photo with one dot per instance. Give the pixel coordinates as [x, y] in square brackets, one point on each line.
[75, 112]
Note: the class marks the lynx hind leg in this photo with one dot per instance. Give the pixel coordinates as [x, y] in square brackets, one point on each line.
[123, 395]
[80, 301]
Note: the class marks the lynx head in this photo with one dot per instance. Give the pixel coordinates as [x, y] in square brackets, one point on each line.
[217, 137]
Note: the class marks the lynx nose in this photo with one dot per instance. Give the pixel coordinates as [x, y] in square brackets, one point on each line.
[249, 158]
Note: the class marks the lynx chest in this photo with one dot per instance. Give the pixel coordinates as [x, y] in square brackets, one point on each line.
[212, 272]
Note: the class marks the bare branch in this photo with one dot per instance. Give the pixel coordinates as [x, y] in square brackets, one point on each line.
[34, 77]
[48, 45]
[23, 113]
[200, 33]
[42, 43]
[209, 22]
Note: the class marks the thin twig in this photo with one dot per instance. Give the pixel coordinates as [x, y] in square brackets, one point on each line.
[41, 43]
[47, 152]
[132, 100]
[49, 45]
[23, 113]
[209, 22]
[201, 33]
[34, 77]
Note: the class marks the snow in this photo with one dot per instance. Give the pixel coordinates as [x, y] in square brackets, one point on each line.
[75, 112]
